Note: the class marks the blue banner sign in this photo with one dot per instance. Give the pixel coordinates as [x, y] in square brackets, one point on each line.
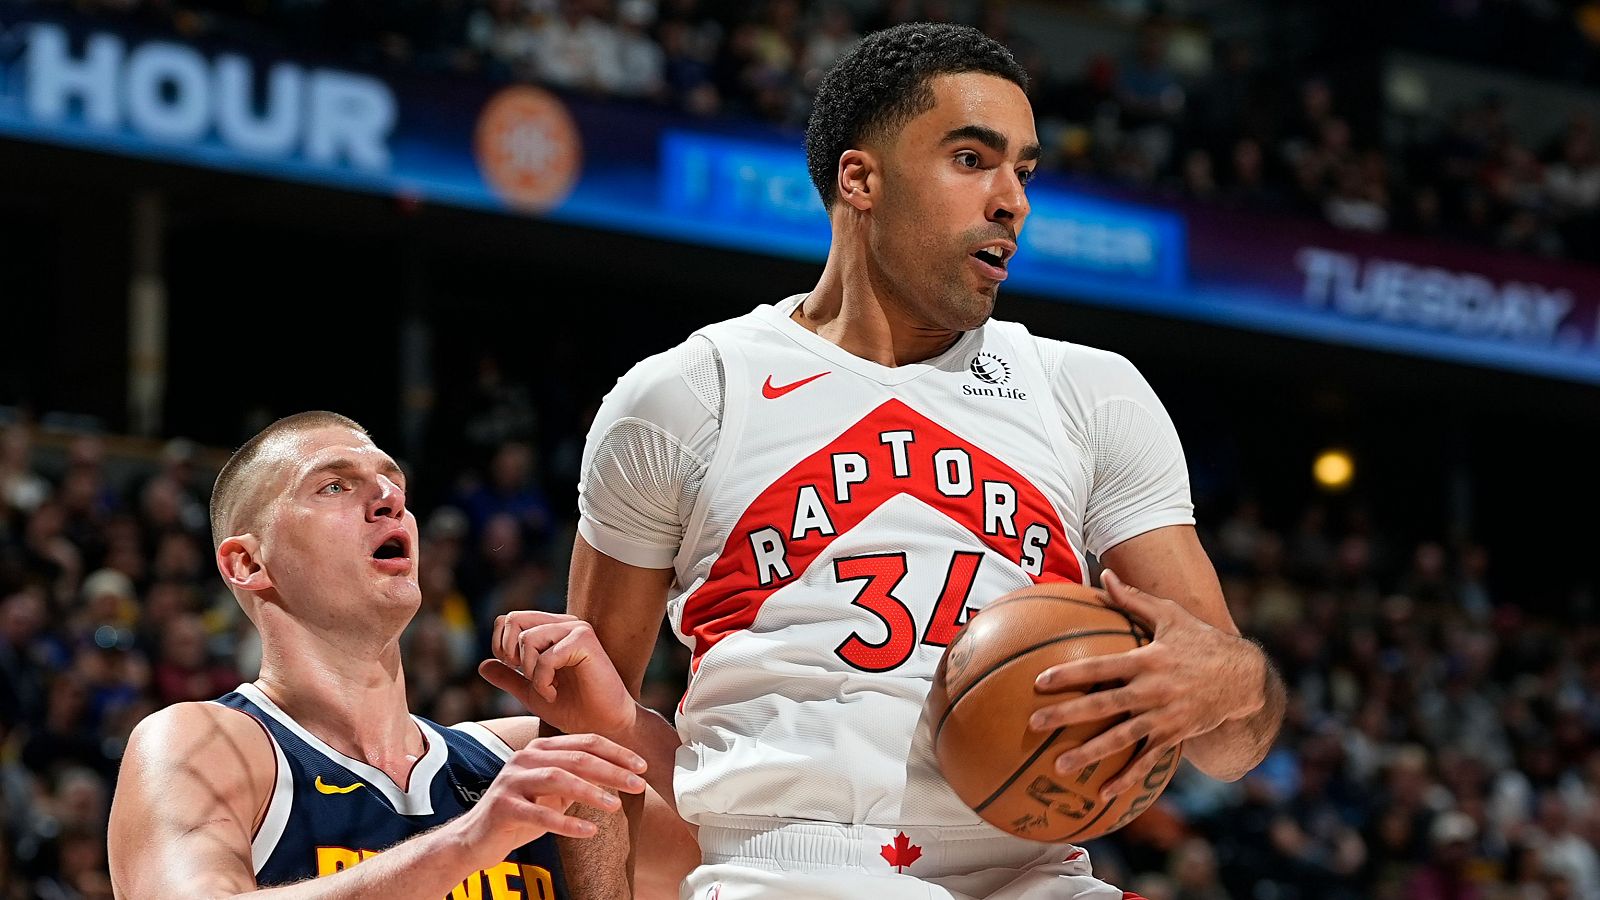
[74, 81]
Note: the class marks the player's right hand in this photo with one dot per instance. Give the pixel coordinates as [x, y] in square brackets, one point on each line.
[531, 795]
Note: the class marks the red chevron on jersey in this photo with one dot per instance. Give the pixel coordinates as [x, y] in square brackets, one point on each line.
[892, 450]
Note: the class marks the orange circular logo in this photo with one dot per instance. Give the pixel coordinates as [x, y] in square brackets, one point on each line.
[528, 148]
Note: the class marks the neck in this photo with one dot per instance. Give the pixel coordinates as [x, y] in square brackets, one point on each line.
[349, 693]
[855, 305]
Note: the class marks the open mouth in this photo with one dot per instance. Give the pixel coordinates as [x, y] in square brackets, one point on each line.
[393, 548]
[994, 256]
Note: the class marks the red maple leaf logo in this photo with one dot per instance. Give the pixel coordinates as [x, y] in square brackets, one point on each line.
[901, 853]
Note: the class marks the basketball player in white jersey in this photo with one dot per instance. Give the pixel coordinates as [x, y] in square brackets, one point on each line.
[820, 492]
[315, 781]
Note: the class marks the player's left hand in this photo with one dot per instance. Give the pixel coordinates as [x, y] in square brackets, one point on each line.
[555, 665]
[1185, 683]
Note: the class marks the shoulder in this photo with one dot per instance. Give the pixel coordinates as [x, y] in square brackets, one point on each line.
[675, 390]
[202, 729]
[200, 749]
[1088, 375]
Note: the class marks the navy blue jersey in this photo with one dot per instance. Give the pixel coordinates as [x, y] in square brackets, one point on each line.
[329, 812]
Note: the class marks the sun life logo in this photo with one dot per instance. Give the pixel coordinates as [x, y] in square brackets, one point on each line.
[987, 367]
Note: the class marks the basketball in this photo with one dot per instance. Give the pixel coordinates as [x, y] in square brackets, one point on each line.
[983, 696]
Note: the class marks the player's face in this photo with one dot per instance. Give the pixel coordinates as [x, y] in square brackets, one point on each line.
[953, 200]
[339, 531]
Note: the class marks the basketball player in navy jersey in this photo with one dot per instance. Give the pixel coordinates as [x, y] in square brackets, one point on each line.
[818, 493]
[315, 781]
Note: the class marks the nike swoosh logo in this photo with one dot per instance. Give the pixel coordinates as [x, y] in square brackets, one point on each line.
[773, 392]
[325, 788]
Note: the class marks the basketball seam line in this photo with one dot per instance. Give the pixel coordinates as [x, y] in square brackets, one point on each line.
[949, 708]
[1132, 622]
[1106, 807]
[1020, 769]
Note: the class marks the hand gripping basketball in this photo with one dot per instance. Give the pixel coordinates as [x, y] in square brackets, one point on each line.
[1181, 685]
[983, 697]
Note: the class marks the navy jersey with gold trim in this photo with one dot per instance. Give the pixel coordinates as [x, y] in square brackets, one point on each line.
[329, 812]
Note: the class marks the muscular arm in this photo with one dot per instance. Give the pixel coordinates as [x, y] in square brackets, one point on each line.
[1169, 562]
[194, 781]
[624, 604]
[197, 777]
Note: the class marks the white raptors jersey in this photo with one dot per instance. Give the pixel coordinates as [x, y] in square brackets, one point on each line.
[851, 518]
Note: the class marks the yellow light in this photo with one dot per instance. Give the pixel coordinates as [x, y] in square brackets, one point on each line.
[1333, 470]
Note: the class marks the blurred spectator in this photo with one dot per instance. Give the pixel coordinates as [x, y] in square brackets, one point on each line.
[22, 668]
[502, 32]
[833, 37]
[1199, 178]
[1247, 184]
[640, 62]
[1194, 872]
[1573, 180]
[689, 75]
[20, 487]
[1447, 874]
[512, 491]
[578, 49]
[186, 669]
[1151, 98]
[496, 410]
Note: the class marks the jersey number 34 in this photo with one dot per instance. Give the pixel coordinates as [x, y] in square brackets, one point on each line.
[880, 574]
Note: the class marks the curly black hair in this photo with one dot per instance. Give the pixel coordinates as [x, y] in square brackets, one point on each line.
[882, 84]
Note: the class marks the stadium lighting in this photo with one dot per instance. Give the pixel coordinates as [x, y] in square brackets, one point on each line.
[1333, 470]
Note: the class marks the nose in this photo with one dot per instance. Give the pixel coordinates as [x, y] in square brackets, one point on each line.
[388, 502]
[1009, 203]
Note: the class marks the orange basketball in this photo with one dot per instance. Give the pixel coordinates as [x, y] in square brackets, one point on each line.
[983, 695]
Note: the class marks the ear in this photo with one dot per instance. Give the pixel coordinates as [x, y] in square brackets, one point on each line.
[239, 561]
[858, 178]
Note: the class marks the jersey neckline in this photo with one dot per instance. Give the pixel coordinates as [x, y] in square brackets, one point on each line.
[778, 315]
[416, 800]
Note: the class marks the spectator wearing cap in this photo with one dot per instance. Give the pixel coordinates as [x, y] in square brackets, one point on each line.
[1447, 875]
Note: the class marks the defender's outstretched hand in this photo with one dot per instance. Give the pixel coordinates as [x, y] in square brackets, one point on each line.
[1183, 684]
[555, 665]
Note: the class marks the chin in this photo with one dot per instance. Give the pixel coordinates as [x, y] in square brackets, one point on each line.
[972, 311]
[400, 595]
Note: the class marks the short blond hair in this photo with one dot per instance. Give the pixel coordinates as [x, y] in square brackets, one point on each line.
[240, 479]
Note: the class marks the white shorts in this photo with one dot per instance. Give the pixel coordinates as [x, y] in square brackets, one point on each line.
[784, 860]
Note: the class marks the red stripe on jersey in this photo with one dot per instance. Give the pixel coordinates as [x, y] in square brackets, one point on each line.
[733, 593]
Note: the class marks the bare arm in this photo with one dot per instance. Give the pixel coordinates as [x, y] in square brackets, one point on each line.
[196, 777]
[1170, 563]
[671, 853]
[1198, 683]
[624, 604]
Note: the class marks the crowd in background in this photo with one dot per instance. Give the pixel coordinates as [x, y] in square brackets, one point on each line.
[1224, 126]
[1442, 742]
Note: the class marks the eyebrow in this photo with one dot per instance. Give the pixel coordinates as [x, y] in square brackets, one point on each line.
[387, 467]
[990, 138]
